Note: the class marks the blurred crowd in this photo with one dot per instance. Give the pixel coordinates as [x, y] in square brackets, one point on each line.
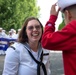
[6, 39]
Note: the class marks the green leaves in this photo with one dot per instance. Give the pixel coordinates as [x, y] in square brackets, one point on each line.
[62, 24]
[14, 12]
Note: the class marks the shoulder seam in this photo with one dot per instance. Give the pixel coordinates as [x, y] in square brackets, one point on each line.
[12, 47]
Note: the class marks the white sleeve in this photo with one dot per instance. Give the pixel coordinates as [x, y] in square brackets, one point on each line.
[11, 62]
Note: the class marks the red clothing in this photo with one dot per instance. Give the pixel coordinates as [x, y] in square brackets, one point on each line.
[64, 40]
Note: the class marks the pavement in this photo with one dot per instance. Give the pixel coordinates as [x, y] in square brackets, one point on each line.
[1, 63]
[56, 62]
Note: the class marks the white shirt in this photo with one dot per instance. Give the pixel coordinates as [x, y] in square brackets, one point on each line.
[3, 35]
[19, 62]
[14, 36]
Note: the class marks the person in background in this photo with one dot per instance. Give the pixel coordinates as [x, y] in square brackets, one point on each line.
[10, 34]
[14, 35]
[1, 50]
[2, 34]
[63, 40]
[27, 57]
[11, 39]
[4, 31]
[3, 43]
[18, 32]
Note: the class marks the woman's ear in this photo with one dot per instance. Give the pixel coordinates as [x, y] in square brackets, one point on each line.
[68, 15]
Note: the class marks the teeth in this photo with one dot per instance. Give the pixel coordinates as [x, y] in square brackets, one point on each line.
[35, 34]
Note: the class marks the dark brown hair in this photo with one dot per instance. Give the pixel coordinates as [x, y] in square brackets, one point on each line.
[22, 35]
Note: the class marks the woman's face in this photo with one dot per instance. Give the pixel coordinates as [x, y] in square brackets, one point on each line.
[33, 31]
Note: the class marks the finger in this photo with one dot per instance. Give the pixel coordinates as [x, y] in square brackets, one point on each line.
[58, 11]
[53, 6]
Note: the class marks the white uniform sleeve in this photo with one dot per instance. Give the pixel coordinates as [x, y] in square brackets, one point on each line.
[11, 62]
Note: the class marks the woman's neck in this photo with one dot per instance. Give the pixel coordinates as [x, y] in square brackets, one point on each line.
[34, 46]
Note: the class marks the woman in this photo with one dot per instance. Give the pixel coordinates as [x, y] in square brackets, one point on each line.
[26, 57]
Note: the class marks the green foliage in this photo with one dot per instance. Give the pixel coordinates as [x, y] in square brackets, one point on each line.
[61, 25]
[14, 12]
